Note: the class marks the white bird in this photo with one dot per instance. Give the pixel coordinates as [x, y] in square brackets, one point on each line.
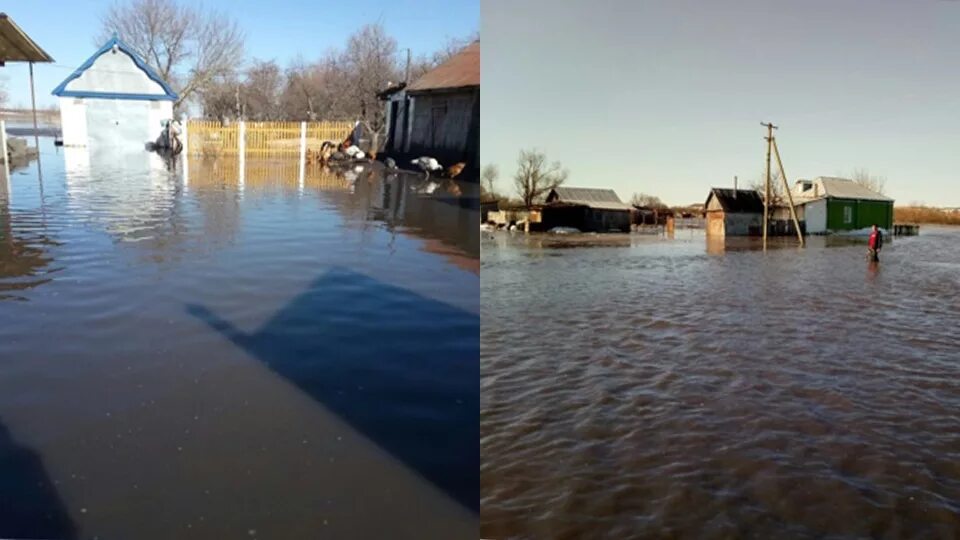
[427, 164]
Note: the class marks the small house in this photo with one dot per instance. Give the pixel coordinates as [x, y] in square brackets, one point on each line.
[438, 115]
[734, 212]
[487, 206]
[586, 209]
[113, 99]
[833, 204]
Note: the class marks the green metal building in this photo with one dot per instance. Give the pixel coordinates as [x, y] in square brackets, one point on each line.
[838, 204]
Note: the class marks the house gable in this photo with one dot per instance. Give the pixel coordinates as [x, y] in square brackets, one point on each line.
[115, 71]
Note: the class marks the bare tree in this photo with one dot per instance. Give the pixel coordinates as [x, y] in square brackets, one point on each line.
[488, 179]
[189, 48]
[871, 182]
[777, 193]
[370, 64]
[260, 91]
[534, 178]
[219, 98]
[642, 199]
[3, 93]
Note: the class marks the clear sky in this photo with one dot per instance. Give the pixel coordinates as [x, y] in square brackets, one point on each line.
[275, 29]
[666, 96]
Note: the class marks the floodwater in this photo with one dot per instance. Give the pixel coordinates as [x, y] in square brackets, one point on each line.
[682, 388]
[188, 352]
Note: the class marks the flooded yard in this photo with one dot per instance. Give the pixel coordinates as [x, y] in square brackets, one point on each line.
[202, 353]
[685, 388]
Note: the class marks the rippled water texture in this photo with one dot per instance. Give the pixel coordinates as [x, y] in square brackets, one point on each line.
[656, 388]
[216, 355]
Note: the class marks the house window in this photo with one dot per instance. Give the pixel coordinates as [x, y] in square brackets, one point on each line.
[848, 214]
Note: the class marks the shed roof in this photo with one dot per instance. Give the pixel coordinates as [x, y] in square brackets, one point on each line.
[843, 188]
[16, 45]
[604, 199]
[168, 94]
[459, 71]
[745, 201]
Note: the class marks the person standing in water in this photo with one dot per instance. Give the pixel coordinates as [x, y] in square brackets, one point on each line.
[875, 244]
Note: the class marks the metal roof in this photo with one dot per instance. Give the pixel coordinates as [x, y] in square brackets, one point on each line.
[168, 94]
[16, 45]
[746, 201]
[459, 71]
[604, 199]
[843, 188]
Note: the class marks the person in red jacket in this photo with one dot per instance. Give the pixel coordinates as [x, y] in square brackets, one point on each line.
[875, 244]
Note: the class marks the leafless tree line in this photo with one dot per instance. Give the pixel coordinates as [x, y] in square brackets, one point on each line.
[200, 54]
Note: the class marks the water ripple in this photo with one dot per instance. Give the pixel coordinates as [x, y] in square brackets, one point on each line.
[654, 390]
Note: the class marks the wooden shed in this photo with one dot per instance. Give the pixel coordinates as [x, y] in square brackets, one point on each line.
[734, 212]
[438, 115]
[586, 209]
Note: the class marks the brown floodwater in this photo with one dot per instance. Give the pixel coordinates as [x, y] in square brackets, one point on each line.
[203, 352]
[692, 389]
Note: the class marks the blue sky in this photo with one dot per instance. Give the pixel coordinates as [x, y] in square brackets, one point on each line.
[666, 96]
[275, 29]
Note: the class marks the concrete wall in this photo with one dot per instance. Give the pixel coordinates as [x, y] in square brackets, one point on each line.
[815, 216]
[116, 73]
[112, 122]
[73, 121]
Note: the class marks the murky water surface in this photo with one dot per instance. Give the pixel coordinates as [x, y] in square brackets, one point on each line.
[692, 389]
[210, 355]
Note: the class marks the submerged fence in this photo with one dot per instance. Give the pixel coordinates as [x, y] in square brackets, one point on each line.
[262, 138]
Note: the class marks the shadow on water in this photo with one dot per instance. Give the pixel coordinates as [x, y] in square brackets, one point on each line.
[29, 504]
[398, 367]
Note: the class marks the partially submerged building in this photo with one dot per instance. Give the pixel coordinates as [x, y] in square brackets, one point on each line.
[586, 209]
[113, 99]
[734, 212]
[438, 115]
[831, 204]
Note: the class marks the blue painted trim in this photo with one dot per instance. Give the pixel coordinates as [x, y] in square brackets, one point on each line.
[60, 90]
[112, 95]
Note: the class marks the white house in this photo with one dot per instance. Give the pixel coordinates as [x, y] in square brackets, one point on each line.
[113, 99]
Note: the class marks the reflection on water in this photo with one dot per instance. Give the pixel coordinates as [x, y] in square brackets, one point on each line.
[693, 389]
[209, 352]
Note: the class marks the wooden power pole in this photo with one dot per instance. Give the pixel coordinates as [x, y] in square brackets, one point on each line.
[772, 144]
[766, 185]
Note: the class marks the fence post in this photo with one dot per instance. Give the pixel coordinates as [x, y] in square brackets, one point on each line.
[303, 152]
[6, 154]
[186, 151]
[241, 150]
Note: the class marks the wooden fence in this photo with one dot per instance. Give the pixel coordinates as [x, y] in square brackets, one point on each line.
[261, 138]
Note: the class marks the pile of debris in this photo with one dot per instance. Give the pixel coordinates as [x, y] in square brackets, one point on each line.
[19, 153]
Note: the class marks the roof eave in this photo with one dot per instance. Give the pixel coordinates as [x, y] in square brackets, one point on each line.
[61, 90]
[419, 91]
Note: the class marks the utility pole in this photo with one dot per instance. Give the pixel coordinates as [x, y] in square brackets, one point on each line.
[786, 186]
[406, 77]
[766, 186]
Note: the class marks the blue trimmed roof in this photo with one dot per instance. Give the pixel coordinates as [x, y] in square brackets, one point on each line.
[168, 94]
